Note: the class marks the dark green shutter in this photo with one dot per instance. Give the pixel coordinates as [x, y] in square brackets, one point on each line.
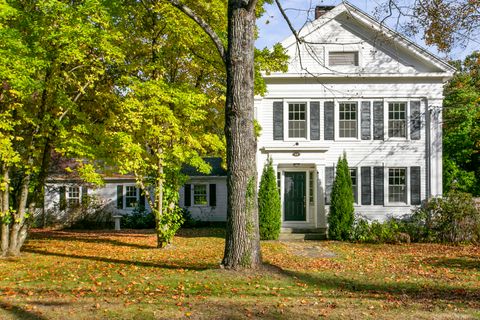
[120, 197]
[63, 198]
[329, 122]
[188, 195]
[365, 120]
[277, 120]
[84, 194]
[378, 120]
[329, 176]
[366, 176]
[314, 120]
[378, 183]
[415, 120]
[415, 179]
[213, 195]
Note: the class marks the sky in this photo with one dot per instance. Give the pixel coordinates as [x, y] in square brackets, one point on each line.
[273, 28]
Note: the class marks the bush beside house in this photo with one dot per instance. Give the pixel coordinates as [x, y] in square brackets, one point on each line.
[341, 215]
[269, 207]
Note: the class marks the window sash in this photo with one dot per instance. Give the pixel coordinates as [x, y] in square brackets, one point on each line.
[131, 198]
[297, 120]
[348, 120]
[353, 176]
[200, 195]
[397, 185]
[397, 119]
[73, 195]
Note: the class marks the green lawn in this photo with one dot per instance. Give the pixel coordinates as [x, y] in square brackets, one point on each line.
[107, 275]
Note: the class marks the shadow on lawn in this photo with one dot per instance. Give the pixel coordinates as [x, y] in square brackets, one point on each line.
[181, 265]
[20, 313]
[400, 291]
[467, 263]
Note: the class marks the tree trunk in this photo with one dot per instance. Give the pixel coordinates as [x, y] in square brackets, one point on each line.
[4, 199]
[242, 246]
[18, 230]
[161, 243]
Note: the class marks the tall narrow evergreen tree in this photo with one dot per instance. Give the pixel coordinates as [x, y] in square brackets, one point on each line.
[341, 216]
[269, 213]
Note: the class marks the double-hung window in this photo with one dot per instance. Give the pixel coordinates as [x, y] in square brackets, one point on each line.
[348, 120]
[297, 120]
[397, 120]
[200, 195]
[353, 176]
[397, 187]
[130, 196]
[73, 196]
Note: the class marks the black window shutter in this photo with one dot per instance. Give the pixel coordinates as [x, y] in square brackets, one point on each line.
[415, 120]
[63, 198]
[329, 122]
[314, 120]
[378, 120]
[365, 120]
[366, 176]
[278, 120]
[329, 176]
[415, 185]
[84, 194]
[141, 199]
[188, 195]
[120, 197]
[378, 192]
[213, 195]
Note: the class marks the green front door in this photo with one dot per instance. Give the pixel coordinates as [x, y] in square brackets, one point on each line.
[295, 196]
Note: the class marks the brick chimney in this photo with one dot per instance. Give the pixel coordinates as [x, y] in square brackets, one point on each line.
[321, 10]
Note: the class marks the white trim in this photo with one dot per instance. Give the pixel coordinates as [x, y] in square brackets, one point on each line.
[286, 103]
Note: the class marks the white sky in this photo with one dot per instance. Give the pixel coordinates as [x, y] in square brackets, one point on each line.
[273, 28]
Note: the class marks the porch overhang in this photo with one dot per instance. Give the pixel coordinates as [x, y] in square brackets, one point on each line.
[294, 150]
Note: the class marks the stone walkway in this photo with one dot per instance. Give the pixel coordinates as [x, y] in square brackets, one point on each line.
[308, 249]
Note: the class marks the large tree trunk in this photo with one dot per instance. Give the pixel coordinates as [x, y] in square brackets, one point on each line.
[242, 246]
[19, 228]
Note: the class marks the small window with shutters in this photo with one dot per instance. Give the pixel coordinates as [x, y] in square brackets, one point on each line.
[297, 120]
[397, 185]
[340, 58]
[347, 120]
[200, 195]
[73, 196]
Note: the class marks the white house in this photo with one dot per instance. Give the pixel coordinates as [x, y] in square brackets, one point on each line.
[353, 86]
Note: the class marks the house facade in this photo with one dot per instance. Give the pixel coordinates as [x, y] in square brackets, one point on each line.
[356, 87]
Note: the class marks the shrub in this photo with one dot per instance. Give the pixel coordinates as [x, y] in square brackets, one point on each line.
[90, 213]
[341, 215]
[269, 208]
[453, 218]
[139, 218]
[389, 231]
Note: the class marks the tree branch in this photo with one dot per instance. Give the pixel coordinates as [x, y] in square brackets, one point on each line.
[284, 15]
[204, 25]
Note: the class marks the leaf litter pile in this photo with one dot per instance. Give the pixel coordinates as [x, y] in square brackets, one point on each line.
[121, 275]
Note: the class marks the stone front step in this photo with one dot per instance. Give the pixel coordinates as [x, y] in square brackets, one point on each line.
[303, 234]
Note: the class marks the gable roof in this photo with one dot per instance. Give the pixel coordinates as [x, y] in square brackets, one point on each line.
[215, 163]
[369, 22]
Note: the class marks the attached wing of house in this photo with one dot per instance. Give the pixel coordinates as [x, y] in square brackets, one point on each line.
[353, 86]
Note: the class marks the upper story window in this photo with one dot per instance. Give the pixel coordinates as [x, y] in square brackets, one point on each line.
[348, 120]
[397, 188]
[200, 194]
[340, 58]
[73, 196]
[397, 120]
[130, 196]
[297, 120]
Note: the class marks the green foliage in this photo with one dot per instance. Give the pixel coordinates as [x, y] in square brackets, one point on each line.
[269, 207]
[453, 219]
[341, 215]
[461, 128]
[378, 232]
[139, 218]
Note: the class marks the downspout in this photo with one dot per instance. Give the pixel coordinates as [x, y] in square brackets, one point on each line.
[428, 149]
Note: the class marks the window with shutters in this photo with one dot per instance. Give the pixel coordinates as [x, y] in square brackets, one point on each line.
[131, 196]
[200, 195]
[348, 120]
[73, 196]
[397, 120]
[340, 58]
[397, 187]
[353, 176]
[297, 120]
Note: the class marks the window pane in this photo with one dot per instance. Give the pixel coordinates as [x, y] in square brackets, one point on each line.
[297, 123]
[343, 58]
[130, 196]
[73, 195]
[200, 194]
[397, 123]
[353, 176]
[396, 185]
[348, 120]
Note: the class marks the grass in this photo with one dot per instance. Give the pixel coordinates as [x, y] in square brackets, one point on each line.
[107, 275]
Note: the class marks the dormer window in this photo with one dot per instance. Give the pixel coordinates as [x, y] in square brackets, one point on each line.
[340, 58]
